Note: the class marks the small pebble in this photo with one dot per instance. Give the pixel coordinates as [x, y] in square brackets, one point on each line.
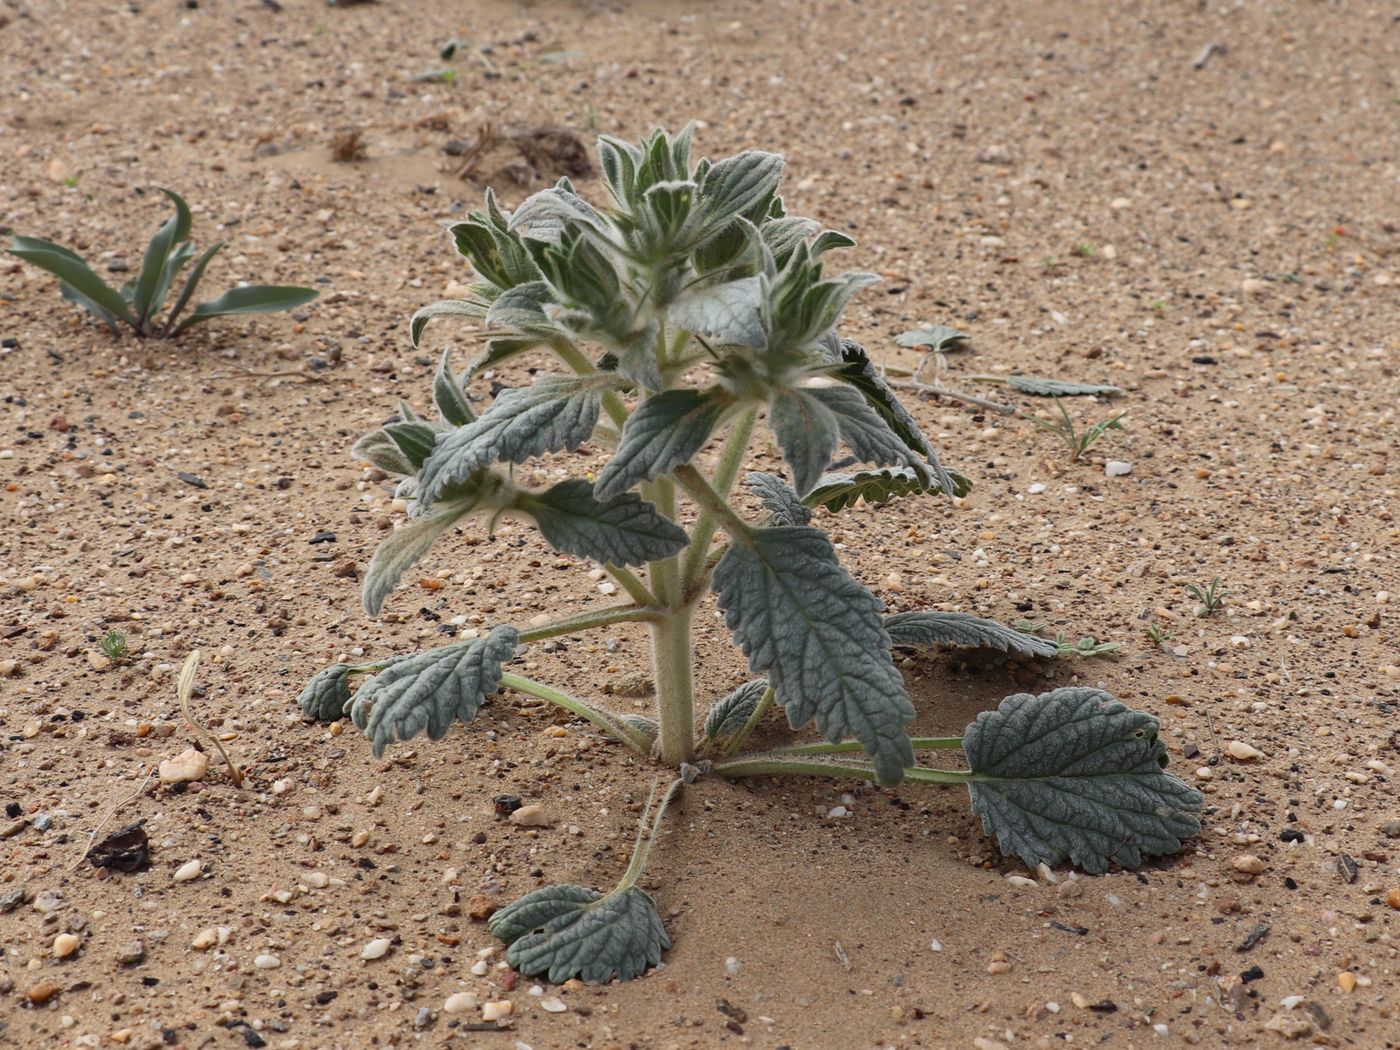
[375, 949]
[496, 1009]
[733, 965]
[1242, 752]
[1393, 898]
[553, 1006]
[532, 817]
[935, 945]
[188, 870]
[65, 944]
[131, 953]
[1117, 468]
[459, 1003]
[42, 992]
[267, 962]
[1346, 981]
[1248, 863]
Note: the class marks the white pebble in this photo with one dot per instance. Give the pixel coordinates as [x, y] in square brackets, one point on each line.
[267, 962]
[1162, 1030]
[375, 949]
[188, 765]
[188, 870]
[459, 1003]
[935, 945]
[1290, 1001]
[838, 811]
[553, 1006]
[1117, 468]
[318, 880]
[495, 1010]
[733, 965]
[1023, 883]
[480, 967]
[1036, 489]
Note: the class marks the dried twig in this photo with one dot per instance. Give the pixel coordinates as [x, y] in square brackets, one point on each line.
[184, 689]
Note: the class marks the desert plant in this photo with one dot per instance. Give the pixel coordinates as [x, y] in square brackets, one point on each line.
[113, 644]
[139, 303]
[707, 304]
[1077, 440]
[1211, 596]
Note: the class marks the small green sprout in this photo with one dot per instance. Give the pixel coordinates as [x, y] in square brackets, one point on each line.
[1079, 441]
[113, 645]
[1211, 596]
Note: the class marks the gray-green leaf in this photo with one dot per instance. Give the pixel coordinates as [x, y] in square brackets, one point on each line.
[620, 530]
[664, 432]
[250, 299]
[404, 547]
[818, 635]
[551, 415]
[731, 713]
[1042, 387]
[445, 308]
[572, 931]
[777, 498]
[429, 690]
[728, 314]
[326, 695]
[448, 395]
[1075, 775]
[935, 338]
[929, 628]
[862, 428]
[383, 451]
[838, 491]
[807, 432]
[740, 185]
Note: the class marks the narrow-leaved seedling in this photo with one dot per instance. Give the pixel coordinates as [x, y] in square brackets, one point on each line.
[1211, 596]
[674, 316]
[139, 303]
[113, 645]
[1067, 430]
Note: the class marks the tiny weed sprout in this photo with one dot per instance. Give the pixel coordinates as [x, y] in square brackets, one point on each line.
[1078, 441]
[1157, 636]
[669, 321]
[1211, 596]
[139, 303]
[113, 645]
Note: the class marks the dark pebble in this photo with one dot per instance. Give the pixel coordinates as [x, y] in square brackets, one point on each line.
[323, 537]
[1254, 973]
[193, 480]
[1204, 359]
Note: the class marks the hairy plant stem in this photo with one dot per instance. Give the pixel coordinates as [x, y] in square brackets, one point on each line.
[635, 588]
[672, 663]
[736, 444]
[604, 721]
[573, 357]
[776, 764]
[646, 834]
[587, 621]
[921, 743]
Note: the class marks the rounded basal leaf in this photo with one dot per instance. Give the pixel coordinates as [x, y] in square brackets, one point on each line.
[929, 628]
[664, 432]
[327, 694]
[1075, 775]
[622, 530]
[731, 713]
[819, 637]
[933, 339]
[564, 932]
[429, 690]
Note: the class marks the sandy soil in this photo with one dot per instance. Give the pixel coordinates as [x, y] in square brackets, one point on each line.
[1060, 180]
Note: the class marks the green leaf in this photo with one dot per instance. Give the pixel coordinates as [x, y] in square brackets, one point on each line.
[935, 338]
[819, 637]
[191, 283]
[807, 432]
[929, 628]
[174, 263]
[448, 395]
[1041, 387]
[383, 451]
[862, 428]
[327, 694]
[250, 299]
[836, 491]
[729, 314]
[415, 439]
[445, 308]
[731, 713]
[740, 186]
[172, 231]
[778, 499]
[429, 690]
[403, 548]
[554, 414]
[572, 931]
[72, 271]
[1075, 775]
[860, 372]
[621, 530]
[497, 254]
[664, 432]
[546, 215]
[498, 351]
[522, 308]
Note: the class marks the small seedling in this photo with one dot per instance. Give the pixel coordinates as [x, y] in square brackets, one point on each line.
[113, 645]
[1211, 596]
[674, 317]
[1084, 250]
[1157, 636]
[1078, 441]
[1085, 647]
[139, 303]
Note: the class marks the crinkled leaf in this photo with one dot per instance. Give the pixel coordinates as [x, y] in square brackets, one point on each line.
[522, 308]
[860, 372]
[1042, 387]
[731, 713]
[664, 432]
[383, 451]
[445, 308]
[729, 314]
[571, 931]
[553, 414]
[250, 299]
[545, 215]
[326, 695]
[778, 499]
[448, 395]
[818, 635]
[648, 727]
[414, 438]
[1075, 775]
[499, 351]
[807, 432]
[935, 338]
[741, 185]
[405, 546]
[862, 429]
[620, 530]
[838, 491]
[429, 690]
[929, 628]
